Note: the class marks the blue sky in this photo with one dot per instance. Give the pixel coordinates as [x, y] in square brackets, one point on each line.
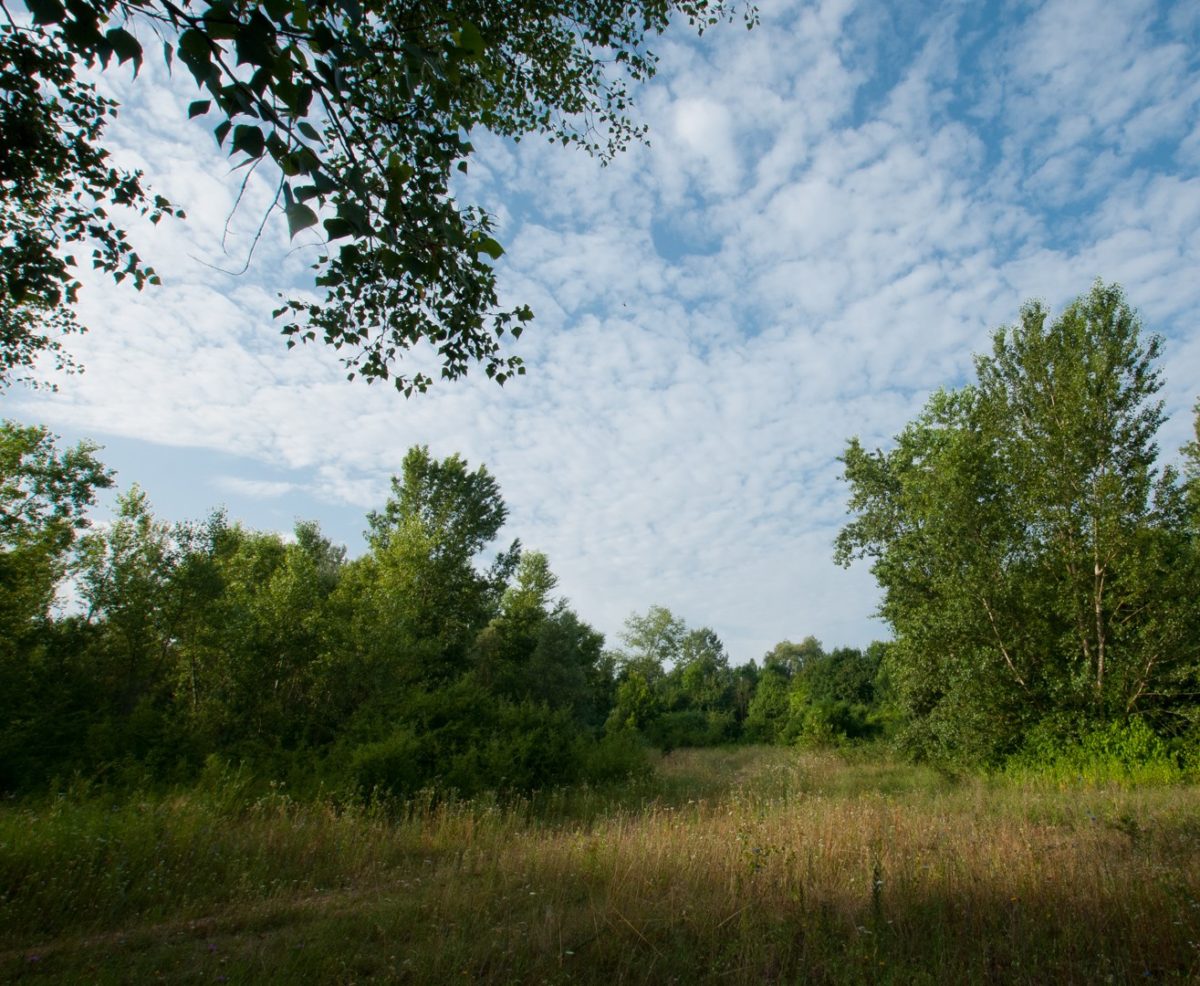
[833, 213]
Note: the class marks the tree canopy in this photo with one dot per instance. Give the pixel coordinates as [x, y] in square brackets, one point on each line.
[360, 111]
[44, 498]
[1034, 559]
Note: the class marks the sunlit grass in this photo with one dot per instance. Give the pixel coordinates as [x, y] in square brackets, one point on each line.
[742, 865]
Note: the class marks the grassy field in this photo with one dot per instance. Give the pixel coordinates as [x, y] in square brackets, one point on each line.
[735, 866]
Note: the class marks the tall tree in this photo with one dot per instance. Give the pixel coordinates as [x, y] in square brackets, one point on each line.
[1033, 558]
[45, 494]
[704, 677]
[44, 498]
[537, 649]
[360, 111]
[124, 574]
[1191, 453]
[427, 594]
[651, 642]
[789, 659]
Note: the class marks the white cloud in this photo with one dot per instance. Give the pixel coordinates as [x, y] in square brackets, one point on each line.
[258, 488]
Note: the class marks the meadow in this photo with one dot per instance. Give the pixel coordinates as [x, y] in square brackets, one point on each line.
[739, 865]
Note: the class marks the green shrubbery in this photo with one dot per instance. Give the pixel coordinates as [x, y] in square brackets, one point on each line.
[1072, 749]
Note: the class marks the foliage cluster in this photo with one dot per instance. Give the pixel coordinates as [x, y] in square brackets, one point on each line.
[433, 660]
[360, 112]
[413, 665]
[676, 686]
[1038, 566]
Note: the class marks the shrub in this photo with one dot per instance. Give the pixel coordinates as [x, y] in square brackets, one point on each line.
[1068, 748]
[393, 766]
[689, 728]
[618, 755]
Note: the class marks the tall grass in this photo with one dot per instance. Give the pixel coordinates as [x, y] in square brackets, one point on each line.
[727, 866]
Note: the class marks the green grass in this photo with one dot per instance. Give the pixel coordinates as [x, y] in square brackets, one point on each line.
[742, 865]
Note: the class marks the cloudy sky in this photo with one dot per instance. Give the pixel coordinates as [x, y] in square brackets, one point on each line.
[834, 211]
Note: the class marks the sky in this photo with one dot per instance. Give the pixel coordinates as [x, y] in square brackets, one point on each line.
[834, 212]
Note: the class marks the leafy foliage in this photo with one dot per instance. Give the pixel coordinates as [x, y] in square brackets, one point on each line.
[56, 187]
[361, 148]
[44, 498]
[411, 667]
[1032, 557]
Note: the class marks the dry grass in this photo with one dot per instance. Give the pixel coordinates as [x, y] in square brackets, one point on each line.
[735, 866]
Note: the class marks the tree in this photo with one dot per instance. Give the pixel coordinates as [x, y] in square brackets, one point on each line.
[675, 684]
[56, 185]
[504, 646]
[361, 146]
[45, 494]
[705, 680]
[1033, 559]
[537, 649]
[44, 498]
[833, 697]
[261, 652]
[427, 599]
[789, 659]
[1191, 453]
[124, 575]
[651, 641]
[767, 716]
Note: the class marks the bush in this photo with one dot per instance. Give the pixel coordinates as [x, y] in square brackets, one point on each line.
[1066, 749]
[392, 767]
[835, 724]
[689, 728]
[619, 755]
[533, 746]
[460, 739]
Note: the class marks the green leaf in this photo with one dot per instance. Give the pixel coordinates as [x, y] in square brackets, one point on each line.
[195, 52]
[221, 24]
[46, 11]
[299, 217]
[255, 41]
[195, 44]
[221, 131]
[278, 10]
[249, 139]
[490, 247]
[337, 229]
[289, 164]
[126, 46]
[469, 39]
[279, 149]
[199, 107]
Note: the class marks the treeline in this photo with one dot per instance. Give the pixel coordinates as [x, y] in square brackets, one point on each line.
[675, 686]
[432, 660]
[1040, 572]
